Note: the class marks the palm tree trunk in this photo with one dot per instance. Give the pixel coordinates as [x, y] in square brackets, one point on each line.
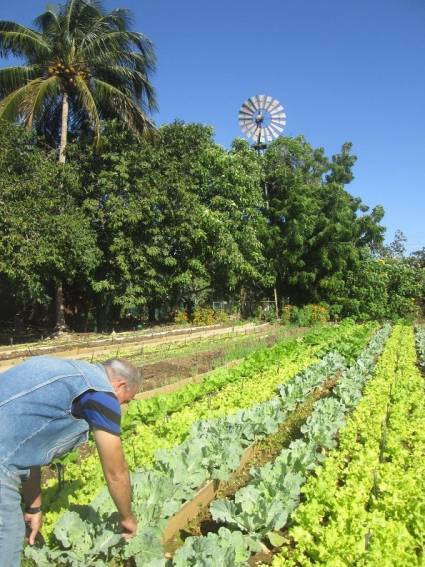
[60, 324]
[64, 128]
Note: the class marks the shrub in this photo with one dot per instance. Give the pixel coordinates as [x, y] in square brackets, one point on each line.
[181, 317]
[203, 316]
[305, 316]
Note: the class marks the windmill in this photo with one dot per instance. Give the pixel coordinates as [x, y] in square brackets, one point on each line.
[262, 118]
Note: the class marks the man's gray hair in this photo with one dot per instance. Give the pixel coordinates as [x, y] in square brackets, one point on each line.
[124, 369]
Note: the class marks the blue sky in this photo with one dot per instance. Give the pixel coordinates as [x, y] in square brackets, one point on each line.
[348, 70]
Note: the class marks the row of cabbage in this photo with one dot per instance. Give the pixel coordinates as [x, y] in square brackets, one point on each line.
[263, 507]
[211, 450]
[165, 422]
[366, 506]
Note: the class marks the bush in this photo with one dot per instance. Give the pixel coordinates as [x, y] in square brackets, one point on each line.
[220, 316]
[203, 316]
[305, 316]
[181, 317]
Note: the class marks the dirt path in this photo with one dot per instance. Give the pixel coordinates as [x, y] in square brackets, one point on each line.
[151, 340]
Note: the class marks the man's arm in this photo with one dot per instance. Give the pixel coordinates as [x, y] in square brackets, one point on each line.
[31, 491]
[117, 477]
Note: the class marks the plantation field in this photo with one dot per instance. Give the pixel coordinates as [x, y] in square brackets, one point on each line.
[329, 428]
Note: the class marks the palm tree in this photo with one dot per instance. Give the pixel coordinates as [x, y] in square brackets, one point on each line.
[80, 65]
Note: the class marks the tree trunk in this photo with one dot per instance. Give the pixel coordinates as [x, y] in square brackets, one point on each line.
[64, 128]
[276, 302]
[60, 325]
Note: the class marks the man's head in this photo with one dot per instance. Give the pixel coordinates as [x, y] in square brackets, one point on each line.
[126, 379]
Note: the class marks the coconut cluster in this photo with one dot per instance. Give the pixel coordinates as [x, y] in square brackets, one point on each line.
[68, 72]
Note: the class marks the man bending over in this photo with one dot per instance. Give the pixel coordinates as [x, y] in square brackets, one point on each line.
[47, 406]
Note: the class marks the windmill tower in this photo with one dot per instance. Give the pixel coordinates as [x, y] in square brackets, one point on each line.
[262, 118]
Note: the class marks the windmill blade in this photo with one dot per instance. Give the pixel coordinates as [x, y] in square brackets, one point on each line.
[269, 101]
[277, 110]
[245, 130]
[273, 106]
[259, 102]
[277, 127]
[245, 120]
[262, 101]
[278, 116]
[251, 130]
[275, 130]
[270, 134]
[248, 131]
[251, 103]
[246, 111]
[278, 123]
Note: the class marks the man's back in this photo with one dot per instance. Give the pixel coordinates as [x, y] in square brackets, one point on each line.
[36, 397]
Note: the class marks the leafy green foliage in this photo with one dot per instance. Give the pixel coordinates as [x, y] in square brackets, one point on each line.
[372, 515]
[44, 237]
[420, 345]
[266, 503]
[227, 549]
[380, 288]
[211, 450]
[176, 216]
[81, 52]
[316, 230]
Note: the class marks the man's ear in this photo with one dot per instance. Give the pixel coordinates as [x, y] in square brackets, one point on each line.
[117, 382]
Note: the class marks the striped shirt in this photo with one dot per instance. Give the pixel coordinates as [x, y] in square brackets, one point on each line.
[101, 410]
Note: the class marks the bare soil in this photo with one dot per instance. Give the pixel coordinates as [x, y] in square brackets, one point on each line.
[157, 374]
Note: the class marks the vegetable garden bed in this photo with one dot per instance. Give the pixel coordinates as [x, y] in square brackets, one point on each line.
[183, 467]
[165, 421]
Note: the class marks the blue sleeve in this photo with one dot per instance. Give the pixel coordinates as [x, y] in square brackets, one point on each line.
[101, 410]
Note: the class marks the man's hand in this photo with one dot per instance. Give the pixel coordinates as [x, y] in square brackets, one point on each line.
[116, 474]
[129, 526]
[34, 523]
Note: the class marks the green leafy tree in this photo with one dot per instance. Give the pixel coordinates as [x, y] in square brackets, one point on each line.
[397, 248]
[44, 236]
[316, 229]
[381, 288]
[81, 64]
[418, 258]
[176, 218]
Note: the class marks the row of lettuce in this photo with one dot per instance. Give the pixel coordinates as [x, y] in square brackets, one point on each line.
[366, 505]
[223, 393]
[165, 421]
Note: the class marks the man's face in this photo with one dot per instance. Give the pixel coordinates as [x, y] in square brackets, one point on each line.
[123, 391]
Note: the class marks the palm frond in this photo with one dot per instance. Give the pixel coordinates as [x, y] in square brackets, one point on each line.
[121, 18]
[70, 9]
[117, 20]
[130, 81]
[21, 41]
[48, 21]
[12, 78]
[114, 43]
[103, 66]
[113, 102]
[47, 89]
[17, 105]
[89, 104]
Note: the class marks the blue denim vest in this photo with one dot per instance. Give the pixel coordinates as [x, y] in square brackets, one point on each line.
[36, 423]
